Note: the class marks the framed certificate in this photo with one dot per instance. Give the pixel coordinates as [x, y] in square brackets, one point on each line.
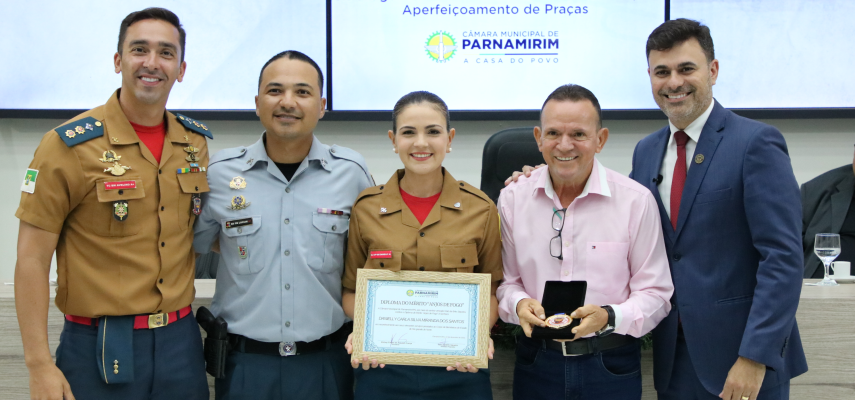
[422, 318]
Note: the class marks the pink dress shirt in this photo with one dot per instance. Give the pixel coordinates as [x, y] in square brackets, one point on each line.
[612, 239]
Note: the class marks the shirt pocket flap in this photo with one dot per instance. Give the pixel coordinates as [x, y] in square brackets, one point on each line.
[193, 182]
[241, 226]
[110, 190]
[389, 260]
[459, 255]
[331, 223]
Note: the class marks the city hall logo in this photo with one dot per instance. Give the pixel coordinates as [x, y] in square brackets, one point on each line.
[440, 46]
[410, 293]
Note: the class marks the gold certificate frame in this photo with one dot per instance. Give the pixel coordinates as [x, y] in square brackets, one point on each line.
[422, 318]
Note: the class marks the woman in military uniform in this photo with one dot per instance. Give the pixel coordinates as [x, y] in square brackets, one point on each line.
[428, 221]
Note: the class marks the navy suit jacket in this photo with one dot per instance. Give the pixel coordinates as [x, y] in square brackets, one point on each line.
[736, 255]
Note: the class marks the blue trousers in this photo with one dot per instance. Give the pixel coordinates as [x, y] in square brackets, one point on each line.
[403, 382]
[325, 375]
[168, 363]
[542, 373]
[685, 385]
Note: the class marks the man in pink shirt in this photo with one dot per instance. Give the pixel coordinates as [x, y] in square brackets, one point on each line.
[578, 221]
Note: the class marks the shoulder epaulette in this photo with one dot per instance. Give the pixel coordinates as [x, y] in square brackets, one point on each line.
[79, 131]
[372, 191]
[194, 125]
[472, 189]
[226, 154]
[350, 155]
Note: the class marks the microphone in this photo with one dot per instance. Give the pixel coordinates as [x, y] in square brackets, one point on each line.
[658, 180]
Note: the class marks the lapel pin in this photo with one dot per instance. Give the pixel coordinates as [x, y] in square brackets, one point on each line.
[699, 158]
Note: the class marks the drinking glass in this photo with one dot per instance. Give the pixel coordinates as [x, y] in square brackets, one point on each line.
[827, 248]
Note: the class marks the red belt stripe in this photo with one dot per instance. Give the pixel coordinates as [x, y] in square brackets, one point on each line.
[140, 321]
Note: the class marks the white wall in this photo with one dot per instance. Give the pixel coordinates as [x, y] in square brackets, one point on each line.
[815, 147]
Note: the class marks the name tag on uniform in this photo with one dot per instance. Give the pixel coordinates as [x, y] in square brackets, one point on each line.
[238, 222]
[120, 185]
[381, 254]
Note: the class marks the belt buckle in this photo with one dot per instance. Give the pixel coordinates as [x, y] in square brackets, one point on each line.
[287, 349]
[158, 320]
[564, 349]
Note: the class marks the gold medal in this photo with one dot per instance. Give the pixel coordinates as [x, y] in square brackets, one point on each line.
[239, 203]
[117, 169]
[237, 183]
[558, 321]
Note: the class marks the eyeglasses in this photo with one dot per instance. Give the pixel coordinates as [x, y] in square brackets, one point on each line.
[557, 224]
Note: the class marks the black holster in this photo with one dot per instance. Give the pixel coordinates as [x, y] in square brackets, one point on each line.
[216, 342]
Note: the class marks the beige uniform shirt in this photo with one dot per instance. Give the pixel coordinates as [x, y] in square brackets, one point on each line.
[461, 233]
[142, 264]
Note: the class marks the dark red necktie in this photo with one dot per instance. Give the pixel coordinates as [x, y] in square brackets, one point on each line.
[679, 178]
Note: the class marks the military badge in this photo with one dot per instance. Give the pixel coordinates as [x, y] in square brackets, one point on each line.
[237, 183]
[29, 184]
[117, 169]
[242, 251]
[120, 210]
[79, 129]
[70, 133]
[238, 203]
[109, 156]
[558, 321]
[191, 153]
[197, 204]
[89, 127]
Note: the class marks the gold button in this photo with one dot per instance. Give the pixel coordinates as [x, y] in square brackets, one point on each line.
[97, 123]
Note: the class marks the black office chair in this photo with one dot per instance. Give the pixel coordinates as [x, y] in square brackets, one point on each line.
[505, 152]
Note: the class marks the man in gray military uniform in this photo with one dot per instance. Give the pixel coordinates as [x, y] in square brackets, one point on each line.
[280, 209]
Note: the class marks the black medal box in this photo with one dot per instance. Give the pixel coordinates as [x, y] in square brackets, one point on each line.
[560, 297]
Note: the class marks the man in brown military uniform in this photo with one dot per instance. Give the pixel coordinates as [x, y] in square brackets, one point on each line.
[114, 192]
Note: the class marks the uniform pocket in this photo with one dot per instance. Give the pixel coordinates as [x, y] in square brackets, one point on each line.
[116, 196]
[241, 239]
[461, 257]
[192, 184]
[606, 262]
[389, 260]
[333, 230]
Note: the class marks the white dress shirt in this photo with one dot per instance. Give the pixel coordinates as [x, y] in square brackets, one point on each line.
[667, 170]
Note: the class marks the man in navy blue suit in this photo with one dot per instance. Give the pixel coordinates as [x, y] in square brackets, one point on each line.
[731, 217]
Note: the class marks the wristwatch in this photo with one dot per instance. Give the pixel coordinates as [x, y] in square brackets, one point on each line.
[610, 325]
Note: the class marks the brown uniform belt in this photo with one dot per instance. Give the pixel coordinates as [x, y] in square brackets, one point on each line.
[244, 344]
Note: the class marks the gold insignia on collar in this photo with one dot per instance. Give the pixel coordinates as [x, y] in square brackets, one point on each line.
[117, 169]
[115, 139]
[186, 138]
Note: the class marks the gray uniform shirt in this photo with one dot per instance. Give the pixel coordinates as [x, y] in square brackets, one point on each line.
[283, 254]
